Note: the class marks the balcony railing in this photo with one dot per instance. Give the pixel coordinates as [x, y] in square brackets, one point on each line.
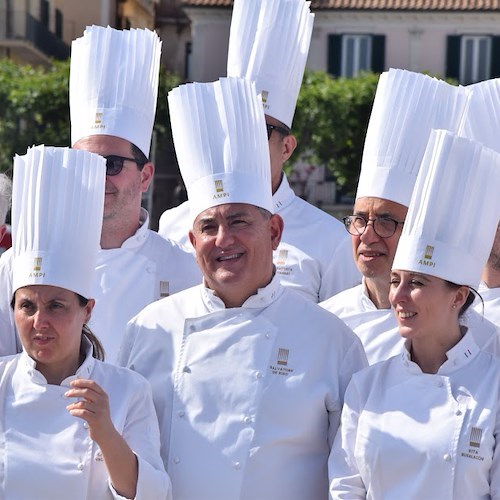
[18, 26]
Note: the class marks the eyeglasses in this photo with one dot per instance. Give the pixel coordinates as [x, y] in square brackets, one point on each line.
[384, 227]
[282, 130]
[114, 164]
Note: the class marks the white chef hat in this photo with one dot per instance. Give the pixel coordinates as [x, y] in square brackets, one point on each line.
[407, 107]
[482, 120]
[113, 84]
[57, 207]
[454, 211]
[268, 43]
[220, 140]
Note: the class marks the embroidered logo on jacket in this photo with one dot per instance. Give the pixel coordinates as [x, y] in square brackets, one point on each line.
[281, 366]
[164, 289]
[280, 259]
[476, 434]
[282, 256]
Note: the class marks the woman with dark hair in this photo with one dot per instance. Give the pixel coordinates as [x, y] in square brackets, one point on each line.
[81, 428]
[426, 422]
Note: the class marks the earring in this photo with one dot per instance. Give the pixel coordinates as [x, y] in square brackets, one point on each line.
[454, 306]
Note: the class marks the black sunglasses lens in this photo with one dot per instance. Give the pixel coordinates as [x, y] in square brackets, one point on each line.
[114, 165]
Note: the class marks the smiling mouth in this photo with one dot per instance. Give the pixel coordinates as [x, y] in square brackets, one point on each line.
[406, 315]
[225, 258]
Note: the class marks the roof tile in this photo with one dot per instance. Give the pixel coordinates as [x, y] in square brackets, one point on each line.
[373, 5]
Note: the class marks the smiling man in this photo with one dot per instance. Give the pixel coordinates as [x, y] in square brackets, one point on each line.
[268, 44]
[113, 92]
[394, 147]
[248, 405]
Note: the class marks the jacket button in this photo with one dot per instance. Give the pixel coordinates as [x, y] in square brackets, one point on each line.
[176, 460]
[247, 420]
[258, 375]
[458, 413]
[86, 425]
[446, 457]
[181, 413]
[186, 369]
[237, 465]
[80, 466]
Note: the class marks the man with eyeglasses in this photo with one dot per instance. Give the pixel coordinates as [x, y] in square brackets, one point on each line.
[314, 254]
[395, 143]
[113, 93]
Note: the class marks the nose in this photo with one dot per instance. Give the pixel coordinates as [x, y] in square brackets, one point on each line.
[369, 235]
[224, 236]
[398, 294]
[40, 320]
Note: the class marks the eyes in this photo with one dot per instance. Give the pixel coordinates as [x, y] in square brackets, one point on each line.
[213, 227]
[414, 282]
[30, 308]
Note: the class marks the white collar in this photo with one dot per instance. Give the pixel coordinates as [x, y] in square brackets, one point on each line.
[263, 298]
[458, 356]
[284, 195]
[84, 370]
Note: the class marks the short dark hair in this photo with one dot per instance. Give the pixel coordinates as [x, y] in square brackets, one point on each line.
[140, 158]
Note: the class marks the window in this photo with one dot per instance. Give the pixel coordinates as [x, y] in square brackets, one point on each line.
[350, 53]
[44, 12]
[472, 58]
[475, 56]
[59, 24]
[356, 54]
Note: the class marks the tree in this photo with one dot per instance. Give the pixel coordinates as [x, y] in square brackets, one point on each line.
[331, 120]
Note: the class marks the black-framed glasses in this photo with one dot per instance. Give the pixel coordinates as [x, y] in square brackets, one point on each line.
[114, 163]
[282, 130]
[384, 227]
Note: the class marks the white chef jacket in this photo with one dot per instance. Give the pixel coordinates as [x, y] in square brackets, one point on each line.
[46, 453]
[491, 298]
[144, 269]
[408, 434]
[377, 328]
[248, 398]
[315, 253]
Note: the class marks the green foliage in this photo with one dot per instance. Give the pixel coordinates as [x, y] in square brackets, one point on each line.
[330, 123]
[34, 107]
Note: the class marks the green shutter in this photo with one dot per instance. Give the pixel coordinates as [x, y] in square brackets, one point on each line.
[453, 56]
[334, 54]
[495, 57]
[378, 53]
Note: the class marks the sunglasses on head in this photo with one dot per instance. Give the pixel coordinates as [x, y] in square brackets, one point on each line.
[114, 164]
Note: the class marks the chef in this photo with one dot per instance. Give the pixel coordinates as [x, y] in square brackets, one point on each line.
[395, 143]
[113, 93]
[424, 424]
[71, 426]
[269, 42]
[248, 405]
[482, 123]
[5, 194]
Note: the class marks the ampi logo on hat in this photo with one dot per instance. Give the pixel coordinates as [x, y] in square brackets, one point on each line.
[98, 120]
[427, 260]
[37, 268]
[219, 190]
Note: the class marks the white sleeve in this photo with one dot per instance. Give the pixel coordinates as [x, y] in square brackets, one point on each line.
[345, 478]
[143, 437]
[495, 466]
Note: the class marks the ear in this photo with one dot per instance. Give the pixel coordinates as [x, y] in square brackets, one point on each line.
[289, 145]
[460, 297]
[276, 225]
[147, 173]
[192, 238]
[88, 309]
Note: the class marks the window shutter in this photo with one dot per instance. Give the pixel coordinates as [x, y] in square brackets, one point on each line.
[495, 57]
[378, 53]
[334, 54]
[453, 56]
